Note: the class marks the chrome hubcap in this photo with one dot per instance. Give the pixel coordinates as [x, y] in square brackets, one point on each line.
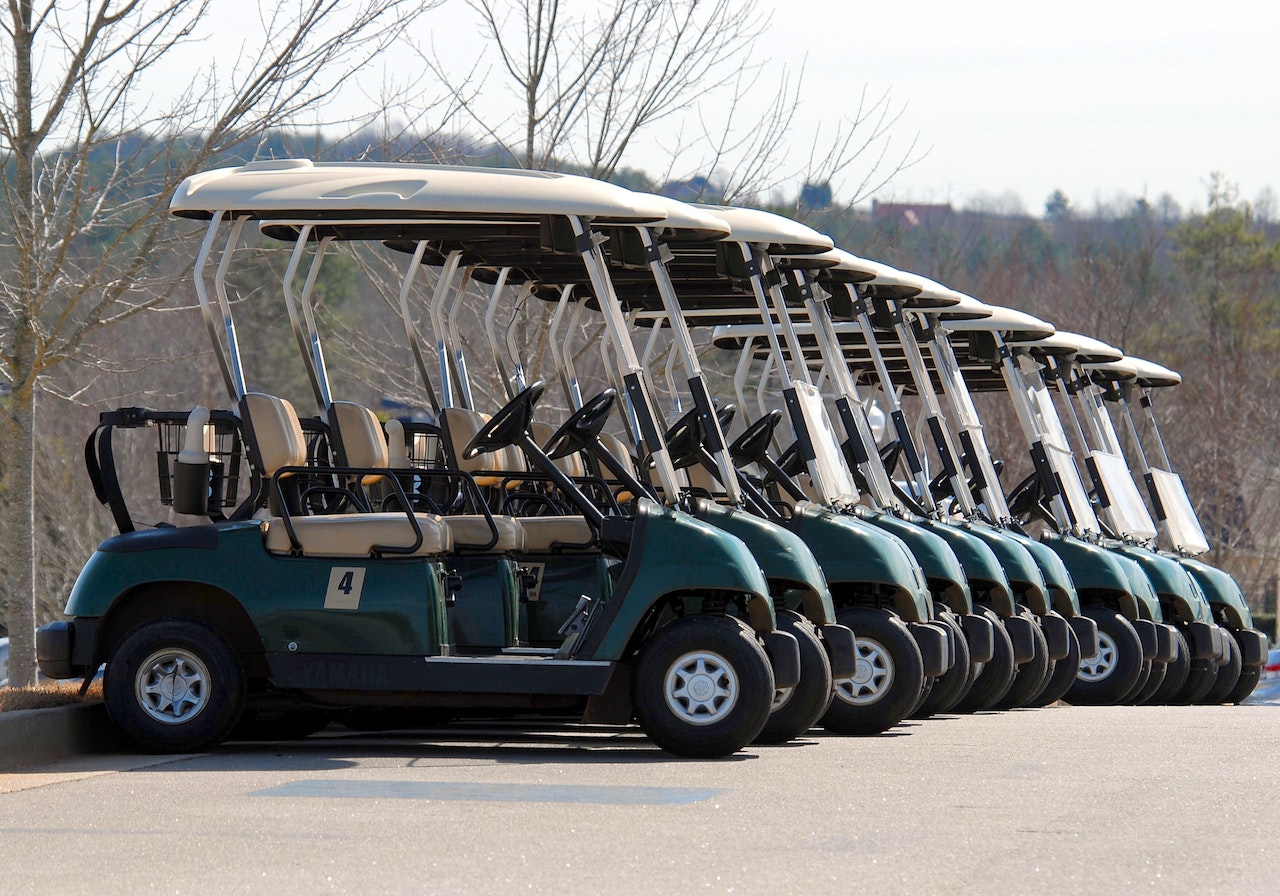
[1103, 663]
[873, 677]
[701, 688]
[172, 686]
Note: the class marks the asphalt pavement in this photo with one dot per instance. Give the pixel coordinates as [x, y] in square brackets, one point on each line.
[1061, 800]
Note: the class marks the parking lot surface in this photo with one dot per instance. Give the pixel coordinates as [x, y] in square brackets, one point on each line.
[1062, 800]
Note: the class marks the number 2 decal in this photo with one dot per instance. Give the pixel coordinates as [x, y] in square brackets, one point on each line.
[345, 585]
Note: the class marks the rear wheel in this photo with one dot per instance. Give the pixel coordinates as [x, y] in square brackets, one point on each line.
[1249, 678]
[1228, 675]
[703, 686]
[174, 686]
[1109, 675]
[888, 680]
[797, 709]
[1175, 672]
[993, 679]
[1144, 675]
[1145, 693]
[1201, 677]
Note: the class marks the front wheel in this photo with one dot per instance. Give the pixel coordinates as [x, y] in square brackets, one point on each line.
[889, 678]
[1062, 675]
[1228, 675]
[1031, 677]
[797, 709]
[950, 687]
[1105, 678]
[703, 686]
[992, 681]
[174, 686]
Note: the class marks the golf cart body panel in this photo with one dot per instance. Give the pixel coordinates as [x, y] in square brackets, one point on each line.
[935, 557]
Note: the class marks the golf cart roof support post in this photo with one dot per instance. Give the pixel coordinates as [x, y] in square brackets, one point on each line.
[855, 422]
[1072, 382]
[455, 342]
[234, 381]
[772, 276]
[575, 327]
[910, 452]
[682, 340]
[1062, 374]
[1017, 388]
[608, 359]
[762, 387]
[564, 366]
[762, 305]
[224, 303]
[957, 394]
[410, 331]
[448, 273]
[304, 324]
[491, 331]
[519, 380]
[633, 375]
[934, 417]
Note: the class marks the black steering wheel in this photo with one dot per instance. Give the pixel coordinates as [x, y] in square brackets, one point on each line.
[753, 445]
[684, 440]
[889, 455]
[1024, 499]
[725, 414]
[583, 427]
[508, 426]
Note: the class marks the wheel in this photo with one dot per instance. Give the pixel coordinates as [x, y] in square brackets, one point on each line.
[1145, 693]
[1175, 672]
[1061, 676]
[994, 677]
[888, 680]
[174, 686]
[288, 724]
[1031, 676]
[953, 684]
[1104, 679]
[797, 709]
[1144, 675]
[1201, 677]
[703, 686]
[1228, 675]
[1249, 678]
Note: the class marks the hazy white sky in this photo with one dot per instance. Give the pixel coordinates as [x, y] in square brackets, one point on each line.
[1099, 99]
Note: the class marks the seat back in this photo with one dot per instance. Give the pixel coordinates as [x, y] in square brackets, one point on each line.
[570, 464]
[275, 433]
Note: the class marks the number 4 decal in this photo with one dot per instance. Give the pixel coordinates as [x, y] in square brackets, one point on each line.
[345, 585]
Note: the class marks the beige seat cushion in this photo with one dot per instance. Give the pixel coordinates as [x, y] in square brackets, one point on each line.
[354, 535]
[543, 533]
[473, 528]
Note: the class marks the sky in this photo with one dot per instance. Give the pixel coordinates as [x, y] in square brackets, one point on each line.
[1009, 101]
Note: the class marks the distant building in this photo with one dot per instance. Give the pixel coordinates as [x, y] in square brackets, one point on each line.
[910, 214]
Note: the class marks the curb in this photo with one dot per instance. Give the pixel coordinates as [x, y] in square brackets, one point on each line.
[32, 736]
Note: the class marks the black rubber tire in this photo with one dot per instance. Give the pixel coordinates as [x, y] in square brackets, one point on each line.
[174, 658]
[1175, 672]
[1154, 680]
[1062, 676]
[1249, 678]
[1118, 663]
[1144, 675]
[737, 662]
[292, 724]
[886, 654]
[1030, 677]
[1228, 675]
[994, 678]
[951, 686]
[1203, 673]
[807, 701]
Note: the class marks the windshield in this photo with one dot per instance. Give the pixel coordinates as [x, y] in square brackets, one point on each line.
[830, 472]
[1181, 524]
[1057, 448]
[1128, 515]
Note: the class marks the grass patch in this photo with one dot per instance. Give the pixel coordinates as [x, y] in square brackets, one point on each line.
[43, 696]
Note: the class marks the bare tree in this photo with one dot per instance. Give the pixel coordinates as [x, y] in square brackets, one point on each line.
[90, 158]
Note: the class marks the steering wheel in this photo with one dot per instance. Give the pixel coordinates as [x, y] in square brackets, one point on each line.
[790, 460]
[889, 455]
[583, 426]
[684, 440]
[753, 444]
[941, 487]
[508, 426]
[1025, 497]
[725, 414]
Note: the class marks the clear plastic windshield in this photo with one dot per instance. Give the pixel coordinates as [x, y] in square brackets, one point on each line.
[1057, 449]
[832, 478]
[1125, 511]
[1181, 525]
